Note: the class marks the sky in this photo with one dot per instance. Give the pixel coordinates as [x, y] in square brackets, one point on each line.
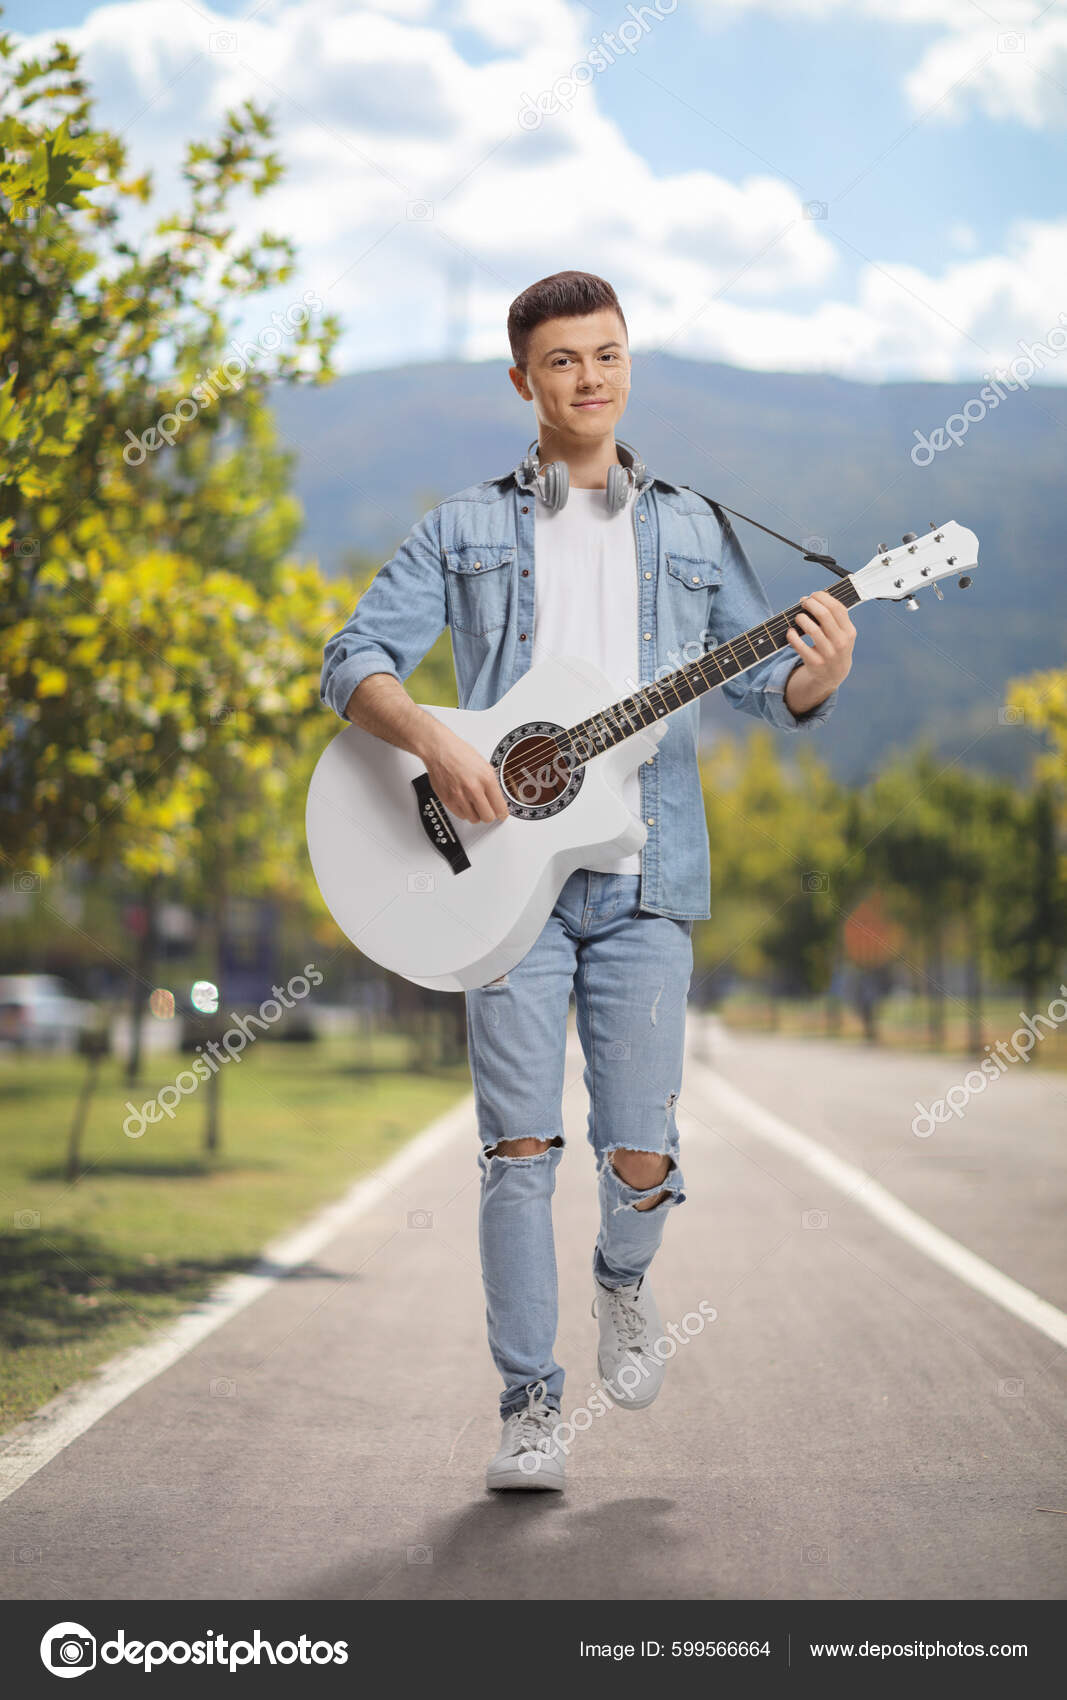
[871, 188]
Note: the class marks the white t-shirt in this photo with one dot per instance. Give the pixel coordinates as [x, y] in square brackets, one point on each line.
[585, 601]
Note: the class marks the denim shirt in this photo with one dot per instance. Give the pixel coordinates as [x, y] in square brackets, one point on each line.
[469, 564]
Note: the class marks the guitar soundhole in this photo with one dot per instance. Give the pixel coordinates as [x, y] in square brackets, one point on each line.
[534, 773]
[535, 776]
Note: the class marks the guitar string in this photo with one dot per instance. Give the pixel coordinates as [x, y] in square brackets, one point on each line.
[608, 717]
[777, 627]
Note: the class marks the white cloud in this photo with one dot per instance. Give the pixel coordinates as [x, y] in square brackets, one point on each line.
[904, 323]
[1015, 75]
[1008, 61]
[407, 166]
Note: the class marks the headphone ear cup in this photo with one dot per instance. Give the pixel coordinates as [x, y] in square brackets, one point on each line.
[618, 488]
[557, 484]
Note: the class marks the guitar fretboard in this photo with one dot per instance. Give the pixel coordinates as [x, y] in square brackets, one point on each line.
[622, 719]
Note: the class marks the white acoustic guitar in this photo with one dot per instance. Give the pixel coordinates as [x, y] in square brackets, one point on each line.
[453, 904]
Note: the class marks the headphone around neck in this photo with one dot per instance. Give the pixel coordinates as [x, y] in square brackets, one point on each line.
[552, 482]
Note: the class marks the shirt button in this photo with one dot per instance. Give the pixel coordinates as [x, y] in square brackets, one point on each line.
[648, 575]
[650, 760]
[696, 578]
[525, 510]
[525, 572]
[641, 517]
[477, 566]
[651, 820]
[522, 637]
[648, 636]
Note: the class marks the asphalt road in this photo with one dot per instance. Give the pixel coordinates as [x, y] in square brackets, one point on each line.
[857, 1421]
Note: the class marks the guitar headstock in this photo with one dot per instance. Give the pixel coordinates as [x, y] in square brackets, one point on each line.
[898, 573]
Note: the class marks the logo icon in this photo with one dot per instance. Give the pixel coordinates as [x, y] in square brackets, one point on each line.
[68, 1649]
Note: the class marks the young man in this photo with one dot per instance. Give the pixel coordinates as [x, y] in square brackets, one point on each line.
[638, 575]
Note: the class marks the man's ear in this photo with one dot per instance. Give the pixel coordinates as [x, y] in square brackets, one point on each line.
[518, 378]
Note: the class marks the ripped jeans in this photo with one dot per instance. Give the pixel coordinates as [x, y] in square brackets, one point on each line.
[630, 972]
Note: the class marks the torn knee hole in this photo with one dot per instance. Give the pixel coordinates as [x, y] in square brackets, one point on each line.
[636, 1151]
[530, 1147]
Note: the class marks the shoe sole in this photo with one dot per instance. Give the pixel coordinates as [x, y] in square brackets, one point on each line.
[522, 1479]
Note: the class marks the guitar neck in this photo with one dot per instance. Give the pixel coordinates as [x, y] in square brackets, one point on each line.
[655, 701]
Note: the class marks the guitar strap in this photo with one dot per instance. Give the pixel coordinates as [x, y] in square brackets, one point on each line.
[809, 555]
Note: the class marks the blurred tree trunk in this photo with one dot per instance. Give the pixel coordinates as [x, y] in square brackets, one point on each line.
[213, 1106]
[935, 995]
[95, 1044]
[975, 989]
[141, 977]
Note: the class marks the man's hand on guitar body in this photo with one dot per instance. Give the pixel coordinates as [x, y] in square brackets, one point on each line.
[466, 783]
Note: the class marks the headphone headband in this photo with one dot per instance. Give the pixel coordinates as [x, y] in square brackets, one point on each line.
[552, 482]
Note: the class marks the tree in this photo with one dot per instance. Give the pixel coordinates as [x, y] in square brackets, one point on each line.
[159, 650]
[937, 837]
[776, 833]
[83, 319]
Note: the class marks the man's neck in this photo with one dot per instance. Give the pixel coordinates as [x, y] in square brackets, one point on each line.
[587, 464]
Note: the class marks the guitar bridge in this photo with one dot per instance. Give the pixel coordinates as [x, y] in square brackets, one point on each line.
[437, 825]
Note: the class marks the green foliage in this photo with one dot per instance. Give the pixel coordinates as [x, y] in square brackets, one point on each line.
[159, 650]
[777, 836]
[963, 862]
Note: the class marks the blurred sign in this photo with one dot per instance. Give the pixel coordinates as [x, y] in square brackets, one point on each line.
[872, 937]
[135, 919]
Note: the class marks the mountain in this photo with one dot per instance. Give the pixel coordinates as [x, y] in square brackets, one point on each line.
[811, 456]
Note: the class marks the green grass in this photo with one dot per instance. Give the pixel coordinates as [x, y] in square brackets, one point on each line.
[155, 1223]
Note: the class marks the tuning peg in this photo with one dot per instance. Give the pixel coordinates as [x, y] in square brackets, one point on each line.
[965, 581]
[912, 604]
[933, 525]
[883, 548]
[937, 593]
[908, 537]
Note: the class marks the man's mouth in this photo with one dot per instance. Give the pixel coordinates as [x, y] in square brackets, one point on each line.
[591, 403]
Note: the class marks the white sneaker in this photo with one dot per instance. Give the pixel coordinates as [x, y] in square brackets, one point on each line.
[528, 1455]
[629, 1326]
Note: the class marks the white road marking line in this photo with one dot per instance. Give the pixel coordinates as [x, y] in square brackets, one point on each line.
[865, 1190]
[33, 1443]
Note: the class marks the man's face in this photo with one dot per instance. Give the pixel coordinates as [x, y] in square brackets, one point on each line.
[578, 378]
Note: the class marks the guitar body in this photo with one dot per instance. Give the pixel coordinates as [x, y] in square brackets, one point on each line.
[393, 892]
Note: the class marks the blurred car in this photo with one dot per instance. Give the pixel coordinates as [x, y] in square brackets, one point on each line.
[40, 1012]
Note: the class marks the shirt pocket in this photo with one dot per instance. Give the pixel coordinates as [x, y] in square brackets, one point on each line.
[690, 583]
[478, 580]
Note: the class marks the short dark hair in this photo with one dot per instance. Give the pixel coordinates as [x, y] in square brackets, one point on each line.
[564, 295]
